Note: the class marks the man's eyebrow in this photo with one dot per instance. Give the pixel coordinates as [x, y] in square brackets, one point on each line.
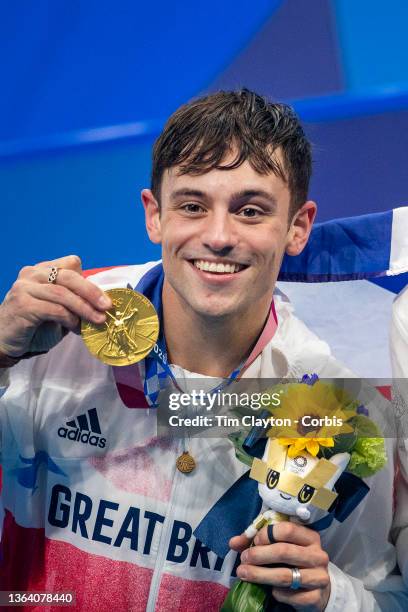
[192, 193]
[247, 194]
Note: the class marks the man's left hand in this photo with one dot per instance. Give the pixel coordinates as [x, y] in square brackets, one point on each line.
[294, 545]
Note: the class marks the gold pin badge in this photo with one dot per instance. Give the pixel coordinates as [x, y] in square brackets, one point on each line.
[129, 333]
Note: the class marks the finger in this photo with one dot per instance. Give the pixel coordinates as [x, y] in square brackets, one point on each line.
[69, 262]
[282, 577]
[46, 311]
[240, 542]
[300, 600]
[72, 280]
[282, 552]
[287, 531]
[57, 294]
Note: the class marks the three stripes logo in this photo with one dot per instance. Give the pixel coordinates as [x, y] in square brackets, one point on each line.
[85, 428]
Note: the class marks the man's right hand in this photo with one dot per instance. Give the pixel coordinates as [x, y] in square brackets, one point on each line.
[33, 306]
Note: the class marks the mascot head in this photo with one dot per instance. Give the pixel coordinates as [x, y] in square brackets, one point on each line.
[301, 486]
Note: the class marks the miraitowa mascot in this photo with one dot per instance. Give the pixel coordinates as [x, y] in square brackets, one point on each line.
[298, 489]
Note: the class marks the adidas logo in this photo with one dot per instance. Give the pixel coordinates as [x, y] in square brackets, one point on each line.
[85, 428]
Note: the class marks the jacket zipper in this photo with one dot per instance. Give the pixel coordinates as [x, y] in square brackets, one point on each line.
[164, 541]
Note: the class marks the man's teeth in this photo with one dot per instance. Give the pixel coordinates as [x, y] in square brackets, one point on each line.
[220, 268]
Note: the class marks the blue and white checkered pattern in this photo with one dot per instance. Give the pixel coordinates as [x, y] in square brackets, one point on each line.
[155, 375]
[155, 379]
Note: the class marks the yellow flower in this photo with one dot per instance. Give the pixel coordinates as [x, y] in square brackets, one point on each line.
[312, 445]
[312, 416]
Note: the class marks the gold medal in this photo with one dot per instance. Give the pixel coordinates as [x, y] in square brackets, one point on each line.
[185, 463]
[129, 333]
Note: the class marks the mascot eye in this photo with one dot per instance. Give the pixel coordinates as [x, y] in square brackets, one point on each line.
[306, 493]
[272, 479]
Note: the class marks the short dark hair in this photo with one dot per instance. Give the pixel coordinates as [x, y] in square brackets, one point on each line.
[199, 134]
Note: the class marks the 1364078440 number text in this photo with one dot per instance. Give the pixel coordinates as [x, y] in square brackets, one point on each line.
[21, 598]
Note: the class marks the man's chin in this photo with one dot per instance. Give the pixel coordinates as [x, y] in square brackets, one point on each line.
[215, 312]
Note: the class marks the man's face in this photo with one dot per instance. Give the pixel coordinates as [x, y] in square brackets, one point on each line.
[223, 236]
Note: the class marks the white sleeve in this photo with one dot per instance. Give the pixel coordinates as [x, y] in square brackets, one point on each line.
[399, 360]
[400, 523]
[349, 594]
[11, 380]
[399, 336]
[4, 380]
[4, 383]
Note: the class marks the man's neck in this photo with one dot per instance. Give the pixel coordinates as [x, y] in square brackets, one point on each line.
[209, 345]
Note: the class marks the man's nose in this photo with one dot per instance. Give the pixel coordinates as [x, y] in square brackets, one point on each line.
[219, 233]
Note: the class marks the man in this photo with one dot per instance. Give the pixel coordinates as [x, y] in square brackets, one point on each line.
[91, 495]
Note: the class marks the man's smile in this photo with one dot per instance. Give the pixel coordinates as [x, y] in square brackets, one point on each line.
[217, 272]
[218, 266]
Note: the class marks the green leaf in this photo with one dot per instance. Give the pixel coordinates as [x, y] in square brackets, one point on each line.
[245, 597]
[364, 427]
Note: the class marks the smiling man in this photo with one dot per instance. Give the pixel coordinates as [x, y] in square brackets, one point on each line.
[229, 197]
[89, 489]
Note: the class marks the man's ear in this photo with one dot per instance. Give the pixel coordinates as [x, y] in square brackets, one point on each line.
[300, 228]
[152, 216]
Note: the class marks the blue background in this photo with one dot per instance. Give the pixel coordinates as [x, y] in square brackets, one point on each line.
[86, 87]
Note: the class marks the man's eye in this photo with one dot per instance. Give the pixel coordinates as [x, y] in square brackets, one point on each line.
[250, 213]
[191, 207]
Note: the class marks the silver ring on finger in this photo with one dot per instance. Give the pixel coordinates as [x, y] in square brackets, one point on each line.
[296, 579]
[52, 277]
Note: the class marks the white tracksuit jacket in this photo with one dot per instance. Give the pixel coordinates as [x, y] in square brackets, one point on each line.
[111, 518]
